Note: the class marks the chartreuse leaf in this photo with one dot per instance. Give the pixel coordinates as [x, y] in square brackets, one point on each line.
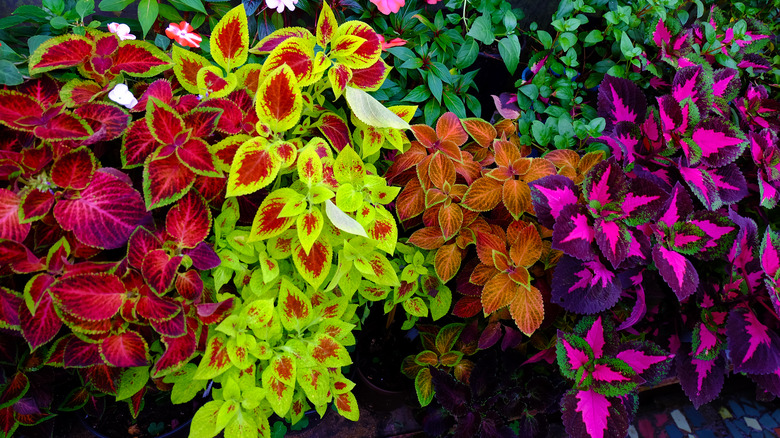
[147, 14]
[328, 352]
[230, 39]
[204, 422]
[309, 167]
[326, 27]
[185, 386]
[279, 381]
[375, 267]
[313, 266]
[423, 384]
[267, 222]
[132, 380]
[309, 225]
[213, 84]
[356, 56]
[279, 102]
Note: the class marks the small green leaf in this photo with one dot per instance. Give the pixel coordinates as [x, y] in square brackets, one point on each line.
[626, 46]
[147, 14]
[113, 5]
[85, 7]
[567, 40]
[36, 41]
[454, 104]
[544, 38]
[482, 30]
[420, 93]
[593, 37]
[195, 4]
[162, 41]
[9, 74]
[467, 54]
[436, 87]
[509, 48]
[59, 22]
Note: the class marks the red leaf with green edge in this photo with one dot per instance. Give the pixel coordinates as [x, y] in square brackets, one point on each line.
[327, 352]
[159, 270]
[140, 243]
[74, 169]
[573, 233]
[370, 78]
[550, 195]
[267, 222]
[447, 262]
[139, 59]
[225, 151]
[253, 168]
[677, 271]
[19, 257]
[81, 354]
[166, 181]
[105, 213]
[14, 388]
[279, 393]
[754, 347]
[163, 122]
[17, 109]
[279, 102]
[588, 414]
[124, 350]
[326, 25]
[584, 287]
[9, 308]
[231, 119]
[89, 296]
[63, 126]
[60, 52]
[203, 257]
[160, 89]
[315, 265]
[309, 226]
[42, 327]
[189, 221]
[172, 327]
[527, 309]
[107, 121]
[195, 154]
[35, 204]
[298, 56]
[203, 120]
[719, 142]
[230, 39]
[268, 43]
[481, 131]
[212, 83]
[137, 144]
[10, 227]
[620, 100]
[154, 308]
[44, 90]
[189, 285]
[178, 351]
[215, 359]
[483, 195]
[366, 54]
[186, 65]
[335, 130]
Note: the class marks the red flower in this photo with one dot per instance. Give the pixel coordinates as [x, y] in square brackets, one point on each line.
[183, 34]
[395, 42]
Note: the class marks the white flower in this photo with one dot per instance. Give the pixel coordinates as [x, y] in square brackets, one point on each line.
[121, 30]
[280, 5]
[122, 95]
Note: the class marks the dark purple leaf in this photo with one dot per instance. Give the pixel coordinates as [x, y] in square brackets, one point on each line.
[573, 233]
[701, 380]
[754, 347]
[620, 100]
[584, 287]
[648, 360]
[203, 256]
[691, 82]
[550, 195]
[730, 183]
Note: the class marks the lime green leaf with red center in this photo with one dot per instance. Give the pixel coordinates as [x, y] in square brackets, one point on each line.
[215, 360]
[253, 168]
[339, 76]
[267, 44]
[284, 151]
[224, 152]
[313, 266]
[527, 309]
[375, 267]
[259, 313]
[294, 307]
[164, 122]
[230, 39]
[89, 296]
[415, 307]
[279, 102]
[124, 350]
[370, 78]
[447, 261]
[186, 66]
[347, 406]
[248, 77]
[296, 54]
[213, 84]
[139, 59]
[189, 221]
[309, 167]
[267, 222]
[328, 352]
[367, 52]
[278, 393]
[309, 227]
[348, 168]
[61, 52]
[74, 169]
[166, 181]
[315, 383]
[326, 25]
[383, 230]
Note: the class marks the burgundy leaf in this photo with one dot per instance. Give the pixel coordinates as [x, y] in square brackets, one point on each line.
[203, 257]
[189, 221]
[10, 228]
[159, 270]
[124, 350]
[141, 243]
[74, 169]
[40, 328]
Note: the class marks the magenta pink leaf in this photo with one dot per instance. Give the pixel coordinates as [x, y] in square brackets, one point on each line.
[620, 100]
[677, 207]
[74, 169]
[189, 221]
[212, 313]
[613, 240]
[677, 271]
[107, 121]
[137, 144]
[720, 143]
[155, 308]
[189, 285]
[104, 214]
[573, 232]
[141, 243]
[661, 36]
[91, 297]
[124, 350]
[701, 380]
[42, 327]
[159, 270]
[588, 414]
[605, 184]
[195, 154]
[10, 226]
[35, 204]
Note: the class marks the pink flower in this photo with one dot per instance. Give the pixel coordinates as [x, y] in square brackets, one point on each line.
[183, 34]
[395, 42]
[388, 6]
[121, 30]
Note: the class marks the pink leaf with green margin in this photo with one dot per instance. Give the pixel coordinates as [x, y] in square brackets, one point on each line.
[335, 130]
[720, 230]
[595, 338]
[40, 328]
[91, 297]
[137, 144]
[770, 253]
[35, 204]
[577, 358]
[104, 214]
[155, 308]
[643, 202]
[730, 183]
[159, 270]
[638, 360]
[160, 89]
[74, 169]
[171, 327]
[754, 347]
[604, 373]
[178, 350]
[124, 350]
[80, 354]
[704, 341]
[677, 271]
[166, 181]
[10, 228]
[690, 82]
[550, 195]
[9, 307]
[606, 184]
[592, 415]
[720, 143]
[677, 207]
[702, 185]
[725, 83]
[164, 122]
[189, 221]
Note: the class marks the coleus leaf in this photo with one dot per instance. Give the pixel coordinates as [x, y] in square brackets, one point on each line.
[211, 82]
[230, 39]
[584, 287]
[692, 82]
[89, 296]
[588, 414]
[60, 52]
[677, 271]
[677, 207]
[646, 359]
[186, 65]
[701, 380]
[614, 241]
[550, 195]
[74, 169]
[10, 226]
[620, 100]
[280, 393]
[178, 351]
[128, 349]
[42, 327]
[159, 270]
[527, 309]
[296, 54]
[279, 102]
[730, 183]
[605, 187]
[370, 78]
[573, 233]
[365, 54]
[139, 59]
[165, 181]
[107, 121]
[754, 347]
[104, 214]
[137, 144]
[294, 307]
[719, 230]
[315, 265]
[81, 354]
[253, 168]
[483, 195]
[268, 222]
[189, 221]
[719, 142]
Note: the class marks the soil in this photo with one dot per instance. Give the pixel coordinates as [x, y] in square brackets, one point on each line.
[381, 350]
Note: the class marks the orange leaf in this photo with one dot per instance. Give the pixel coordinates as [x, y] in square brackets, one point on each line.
[513, 197]
[506, 153]
[450, 220]
[411, 201]
[447, 262]
[427, 238]
[482, 273]
[449, 128]
[481, 131]
[486, 244]
[563, 157]
[483, 195]
[527, 248]
[540, 168]
[498, 292]
[441, 170]
[527, 309]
